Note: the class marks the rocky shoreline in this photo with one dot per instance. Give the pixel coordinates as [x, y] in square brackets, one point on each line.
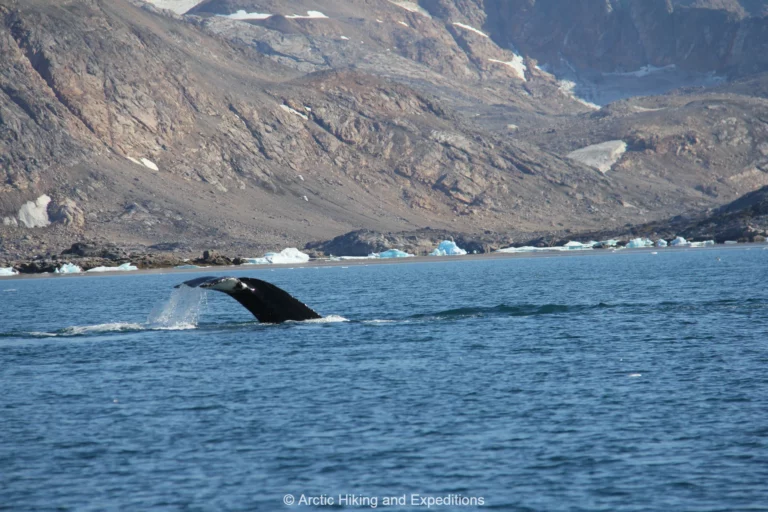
[361, 243]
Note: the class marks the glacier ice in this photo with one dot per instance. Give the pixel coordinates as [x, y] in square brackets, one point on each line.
[7, 271]
[570, 246]
[448, 248]
[68, 268]
[291, 255]
[638, 243]
[661, 243]
[125, 267]
[705, 243]
[392, 253]
[679, 241]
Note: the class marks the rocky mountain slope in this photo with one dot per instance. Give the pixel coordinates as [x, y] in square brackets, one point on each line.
[251, 125]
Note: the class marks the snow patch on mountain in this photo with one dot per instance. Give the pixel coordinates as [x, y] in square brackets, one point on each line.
[471, 29]
[517, 64]
[411, 6]
[601, 156]
[177, 6]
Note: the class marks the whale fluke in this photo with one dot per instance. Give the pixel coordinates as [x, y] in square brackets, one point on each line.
[267, 302]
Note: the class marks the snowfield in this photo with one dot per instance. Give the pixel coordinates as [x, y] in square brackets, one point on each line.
[601, 156]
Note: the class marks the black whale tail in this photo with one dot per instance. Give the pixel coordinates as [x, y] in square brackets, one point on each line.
[267, 302]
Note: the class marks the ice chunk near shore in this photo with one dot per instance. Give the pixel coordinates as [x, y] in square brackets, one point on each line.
[7, 271]
[578, 246]
[705, 243]
[392, 253]
[291, 255]
[125, 267]
[661, 243]
[448, 248]
[639, 243]
[679, 241]
[68, 268]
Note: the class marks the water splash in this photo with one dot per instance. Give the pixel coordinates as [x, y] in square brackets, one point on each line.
[180, 311]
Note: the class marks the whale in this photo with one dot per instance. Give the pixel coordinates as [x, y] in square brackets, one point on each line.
[267, 302]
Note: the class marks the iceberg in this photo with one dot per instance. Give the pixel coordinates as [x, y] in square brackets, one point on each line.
[125, 267]
[679, 241]
[661, 243]
[68, 268]
[291, 255]
[187, 267]
[393, 253]
[578, 246]
[448, 248]
[705, 243]
[570, 246]
[638, 243]
[7, 271]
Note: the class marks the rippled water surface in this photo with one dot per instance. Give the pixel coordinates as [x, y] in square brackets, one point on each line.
[625, 381]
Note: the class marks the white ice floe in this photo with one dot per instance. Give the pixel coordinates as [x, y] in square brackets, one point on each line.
[679, 241]
[294, 111]
[7, 271]
[244, 15]
[68, 268]
[149, 164]
[291, 255]
[379, 21]
[187, 267]
[601, 156]
[705, 243]
[344, 38]
[471, 29]
[177, 6]
[392, 253]
[34, 214]
[411, 6]
[639, 243]
[125, 267]
[517, 64]
[310, 15]
[448, 248]
[570, 246]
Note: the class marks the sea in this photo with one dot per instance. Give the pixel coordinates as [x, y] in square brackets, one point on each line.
[627, 381]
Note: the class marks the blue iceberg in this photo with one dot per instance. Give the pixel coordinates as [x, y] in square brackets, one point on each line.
[68, 268]
[392, 253]
[448, 248]
[661, 243]
[679, 241]
[638, 243]
[7, 271]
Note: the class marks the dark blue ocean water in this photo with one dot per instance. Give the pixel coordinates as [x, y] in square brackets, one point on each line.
[624, 381]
